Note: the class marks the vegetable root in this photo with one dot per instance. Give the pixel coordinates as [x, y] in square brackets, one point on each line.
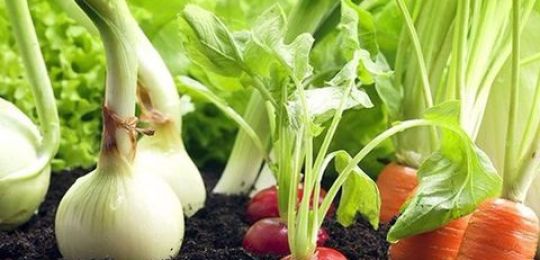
[396, 183]
[269, 236]
[265, 204]
[323, 253]
[442, 243]
[500, 229]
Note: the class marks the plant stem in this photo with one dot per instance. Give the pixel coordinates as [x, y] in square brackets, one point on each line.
[531, 59]
[25, 35]
[117, 36]
[428, 97]
[418, 51]
[529, 169]
[245, 159]
[510, 169]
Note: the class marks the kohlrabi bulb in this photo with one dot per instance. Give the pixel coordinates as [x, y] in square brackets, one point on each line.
[164, 155]
[20, 196]
[126, 214]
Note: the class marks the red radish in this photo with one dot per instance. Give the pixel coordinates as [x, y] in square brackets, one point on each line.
[265, 204]
[323, 253]
[396, 183]
[500, 229]
[269, 236]
[442, 243]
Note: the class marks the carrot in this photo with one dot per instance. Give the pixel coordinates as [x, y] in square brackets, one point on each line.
[500, 229]
[442, 243]
[396, 183]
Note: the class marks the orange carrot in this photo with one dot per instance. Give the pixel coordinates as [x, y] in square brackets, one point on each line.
[500, 229]
[442, 243]
[396, 183]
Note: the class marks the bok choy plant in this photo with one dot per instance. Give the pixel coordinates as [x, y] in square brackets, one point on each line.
[512, 139]
[25, 153]
[118, 210]
[163, 153]
[456, 57]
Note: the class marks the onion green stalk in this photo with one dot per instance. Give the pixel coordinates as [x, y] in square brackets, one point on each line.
[161, 106]
[118, 210]
[25, 153]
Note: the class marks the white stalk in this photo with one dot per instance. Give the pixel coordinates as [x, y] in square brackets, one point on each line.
[245, 160]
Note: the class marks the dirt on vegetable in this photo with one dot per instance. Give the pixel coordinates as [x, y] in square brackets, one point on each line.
[215, 232]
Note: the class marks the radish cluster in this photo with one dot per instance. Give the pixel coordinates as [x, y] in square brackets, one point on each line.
[268, 232]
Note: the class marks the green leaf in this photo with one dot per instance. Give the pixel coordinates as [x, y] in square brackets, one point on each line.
[268, 32]
[296, 56]
[453, 181]
[322, 103]
[269, 29]
[358, 28]
[359, 194]
[209, 43]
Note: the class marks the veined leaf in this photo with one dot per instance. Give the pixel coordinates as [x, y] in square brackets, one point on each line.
[359, 194]
[453, 181]
[209, 43]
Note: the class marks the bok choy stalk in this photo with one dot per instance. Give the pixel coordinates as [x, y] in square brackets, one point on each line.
[161, 106]
[25, 153]
[118, 210]
[244, 164]
[455, 57]
[520, 164]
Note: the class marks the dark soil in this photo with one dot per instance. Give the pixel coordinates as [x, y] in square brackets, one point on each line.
[215, 232]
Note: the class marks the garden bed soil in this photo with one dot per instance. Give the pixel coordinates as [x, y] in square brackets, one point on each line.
[215, 232]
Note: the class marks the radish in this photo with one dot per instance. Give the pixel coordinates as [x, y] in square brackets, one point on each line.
[323, 253]
[269, 236]
[265, 204]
